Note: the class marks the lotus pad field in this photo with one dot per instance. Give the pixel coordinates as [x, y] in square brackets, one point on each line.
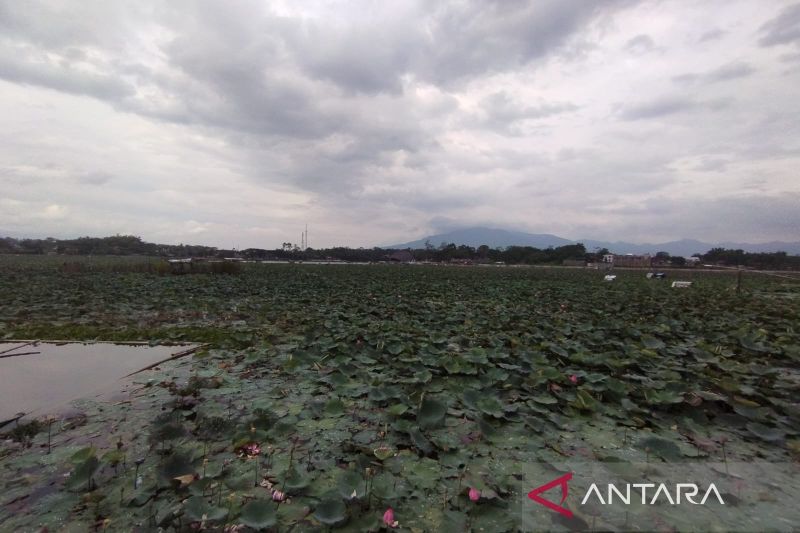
[328, 394]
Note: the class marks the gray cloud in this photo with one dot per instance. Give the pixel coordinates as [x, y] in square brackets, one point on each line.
[711, 35]
[28, 66]
[657, 108]
[712, 164]
[640, 44]
[671, 105]
[729, 71]
[501, 113]
[199, 121]
[95, 178]
[474, 38]
[790, 58]
[735, 215]
[783, 29]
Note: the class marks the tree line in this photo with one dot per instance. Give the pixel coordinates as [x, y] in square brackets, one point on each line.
[444, 253]
[760, 261]
[114, 245]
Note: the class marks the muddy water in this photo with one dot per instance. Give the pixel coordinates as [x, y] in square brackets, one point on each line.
[49, 376]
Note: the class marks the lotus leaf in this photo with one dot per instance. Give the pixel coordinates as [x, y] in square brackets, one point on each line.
[258, 514]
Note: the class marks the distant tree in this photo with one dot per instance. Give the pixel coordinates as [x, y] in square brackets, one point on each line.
[768, 261]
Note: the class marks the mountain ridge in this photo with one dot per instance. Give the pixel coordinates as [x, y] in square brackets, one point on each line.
[494, 238]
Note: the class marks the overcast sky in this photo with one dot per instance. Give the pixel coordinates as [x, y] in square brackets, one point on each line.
[233, 123]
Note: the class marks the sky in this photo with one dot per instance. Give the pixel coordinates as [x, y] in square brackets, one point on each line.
[235, 123]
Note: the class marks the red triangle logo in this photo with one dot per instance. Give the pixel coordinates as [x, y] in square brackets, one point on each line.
[534, 494]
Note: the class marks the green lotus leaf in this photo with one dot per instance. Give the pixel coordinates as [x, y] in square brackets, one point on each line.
[331, 512]
[658, 397]
[491, 406]
[334, 407]
[114, 457]
[258, 514]
[431, 414]
[383, 452]
[652, 343]
[198, 509]
[423, 474]
[295, 480]
[351, 485]
[666, 449]
[545, 399]
[422, 376]
[397, 409]
[82, 455]
[176, 465]
[83, 472]
[585, 401]
[765, 433]
[395, 348]
[471, 398]
[419, 441]
[384, 486]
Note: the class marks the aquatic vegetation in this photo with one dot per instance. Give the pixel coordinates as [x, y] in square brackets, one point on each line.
[362, 397]
[25, 432]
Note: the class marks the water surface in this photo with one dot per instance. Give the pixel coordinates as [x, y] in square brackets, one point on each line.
[38, 383]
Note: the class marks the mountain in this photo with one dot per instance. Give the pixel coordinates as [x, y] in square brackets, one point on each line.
[684, 247]
[499, 238]
[494, 238]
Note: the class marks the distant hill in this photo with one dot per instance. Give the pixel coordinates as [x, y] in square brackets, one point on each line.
[499, 238]
[684, 247]
[494, 238]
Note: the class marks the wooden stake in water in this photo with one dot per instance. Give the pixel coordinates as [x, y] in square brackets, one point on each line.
[50, 421]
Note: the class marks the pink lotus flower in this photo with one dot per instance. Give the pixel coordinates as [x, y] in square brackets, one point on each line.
[388, 518]
[573, 378]
[474, 494]
[278, 496]
[249, 450]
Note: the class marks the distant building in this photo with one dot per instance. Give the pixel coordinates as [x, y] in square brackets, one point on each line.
[692, 261]
[661, 261]
[608, 258]
[633, 261]
[601, 265]
[401, 256]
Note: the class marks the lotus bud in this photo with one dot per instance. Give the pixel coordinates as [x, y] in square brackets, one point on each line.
[388, 518]
[573, 378]
[474, 494]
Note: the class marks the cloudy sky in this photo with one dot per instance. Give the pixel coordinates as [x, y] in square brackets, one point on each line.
[235, 123]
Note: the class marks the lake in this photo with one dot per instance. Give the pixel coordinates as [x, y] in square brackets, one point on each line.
[42, 377]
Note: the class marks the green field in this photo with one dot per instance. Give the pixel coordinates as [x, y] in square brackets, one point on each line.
[351, 389]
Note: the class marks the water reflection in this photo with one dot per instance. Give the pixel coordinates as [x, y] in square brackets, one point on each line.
[36, 377]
